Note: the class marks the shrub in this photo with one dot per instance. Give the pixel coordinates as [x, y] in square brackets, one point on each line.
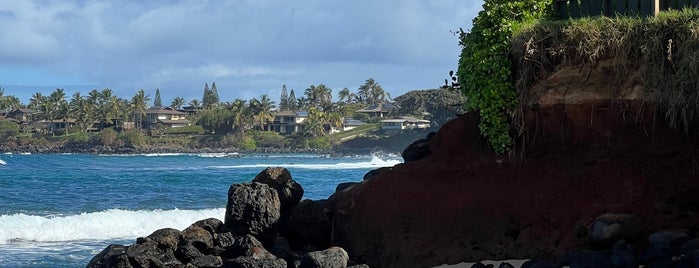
[270, 139]
[107, 137]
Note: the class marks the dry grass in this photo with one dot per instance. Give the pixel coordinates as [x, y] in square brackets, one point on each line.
[666, 48]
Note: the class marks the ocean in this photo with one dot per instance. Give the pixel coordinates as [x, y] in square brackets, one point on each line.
[59, 210]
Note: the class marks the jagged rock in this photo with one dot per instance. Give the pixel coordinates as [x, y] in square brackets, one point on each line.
[111, 256]
[610, 227]
[188, 253]
[289, 191]
[149, 255]
[308, 225]
[198, 237]
[208, 261]
[253, 208]
[417, 150]
[225, 240]
[241, 246]
[585, 258]
[212, 225]
[260, 258]
[166, 238]
[334, 257]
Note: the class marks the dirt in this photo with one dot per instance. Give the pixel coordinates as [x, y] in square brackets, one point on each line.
[593, 145]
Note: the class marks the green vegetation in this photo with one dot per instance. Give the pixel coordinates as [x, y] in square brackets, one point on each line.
[664, 48]
[99, 120]
[484, 69]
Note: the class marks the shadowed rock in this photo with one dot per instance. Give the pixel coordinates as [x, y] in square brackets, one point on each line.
[259, 258]
[610, 227]
[334, 257]
[417, 150]
[308, 225]
[198, 237]
[253, 208]
[108, 257]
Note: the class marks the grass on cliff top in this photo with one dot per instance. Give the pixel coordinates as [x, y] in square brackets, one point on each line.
[665, 48]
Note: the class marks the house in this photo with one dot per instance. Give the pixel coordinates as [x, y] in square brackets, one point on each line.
[22, 115]
[351, 123]
[166, 117]
[288, 122]
[54, 125]
[191, 110]
[404, 123]
[381, 109]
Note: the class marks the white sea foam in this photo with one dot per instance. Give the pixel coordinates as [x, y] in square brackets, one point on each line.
[375, 162]
[109, 224]
[2, 163]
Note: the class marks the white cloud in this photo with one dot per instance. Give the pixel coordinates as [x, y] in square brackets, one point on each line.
[247, 46]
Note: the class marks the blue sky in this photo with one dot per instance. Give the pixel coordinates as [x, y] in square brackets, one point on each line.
[247, 47]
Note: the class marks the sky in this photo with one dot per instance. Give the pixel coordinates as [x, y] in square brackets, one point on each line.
[248, 47]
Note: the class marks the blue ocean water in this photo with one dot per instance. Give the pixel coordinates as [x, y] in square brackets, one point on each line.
[59, 210]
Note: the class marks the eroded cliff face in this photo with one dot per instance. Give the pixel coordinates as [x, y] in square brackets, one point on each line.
[593, 145]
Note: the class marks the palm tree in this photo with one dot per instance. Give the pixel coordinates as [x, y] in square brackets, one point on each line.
[195, 103]
[263, 108]
[36, 100]
[84, 113]
[57, 106]
[345, 95]
[313, 125]
[319, 95]
[108, 108]
[371, 92]
[140, 105]
[242, 115]
[177, 103]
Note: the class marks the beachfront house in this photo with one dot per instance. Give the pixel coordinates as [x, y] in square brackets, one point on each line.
[288, 122]
[350, 124]
[404, 123]
[166, 116]
[381, 109]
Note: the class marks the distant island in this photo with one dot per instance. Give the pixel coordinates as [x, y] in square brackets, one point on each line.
[100, 122]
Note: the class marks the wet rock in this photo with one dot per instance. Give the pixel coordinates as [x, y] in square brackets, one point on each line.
[260, 258]
[289, 191]
[308, 225]
[609, 228]
[198, 237]
[253, 208]
[417, 150]
[109, 256]
[334, 257]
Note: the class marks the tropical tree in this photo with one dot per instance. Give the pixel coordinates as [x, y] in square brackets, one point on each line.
[345, 95]
[371, 92]
[36, 100]
[263, 110]
[195, 103]
[177, 103]
[82, 111]
[140, 105]
[242, 115]
[216, 120]
[318, 96]
[313, 125]
[108, 108]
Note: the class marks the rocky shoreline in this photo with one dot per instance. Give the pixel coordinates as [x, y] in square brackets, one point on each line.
[266, 225]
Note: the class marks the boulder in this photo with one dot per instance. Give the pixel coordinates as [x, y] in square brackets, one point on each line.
[289, 191]
[540, 264]
[108, 257]
[623, 255]
[253, 208]
[376, 172]
[308, 225]
[188, 253]
[198, 237]
[260, 258]
[671, 239]
[578, 258]
[417, 150]
[505, 265]
[149, 255]
[212, 225]
[166, 238]
[334, 257]
[611, 227]
[241, 246]
[345, 185]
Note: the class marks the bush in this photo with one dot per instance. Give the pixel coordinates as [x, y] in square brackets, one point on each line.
[8, 130]
[269, 139]
[132, 138]
[246, 143]
[320, 143]
[107, 137]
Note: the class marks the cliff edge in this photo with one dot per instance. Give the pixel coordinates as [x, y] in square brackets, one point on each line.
[592, 145]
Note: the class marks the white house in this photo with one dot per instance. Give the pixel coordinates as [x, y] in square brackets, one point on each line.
[166, 116]
[404, 123]
[288, 122]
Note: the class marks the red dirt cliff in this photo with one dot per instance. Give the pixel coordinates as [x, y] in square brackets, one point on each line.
[591, 147]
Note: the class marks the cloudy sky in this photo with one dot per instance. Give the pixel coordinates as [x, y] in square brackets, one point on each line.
[248, 47]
